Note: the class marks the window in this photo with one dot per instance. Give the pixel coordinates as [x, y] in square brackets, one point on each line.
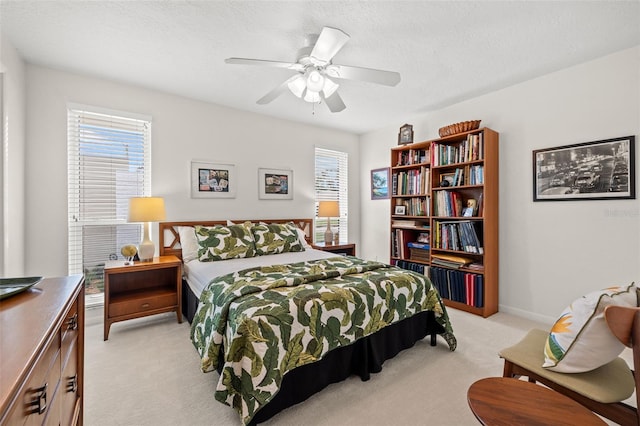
[331, 185]
[109, 156]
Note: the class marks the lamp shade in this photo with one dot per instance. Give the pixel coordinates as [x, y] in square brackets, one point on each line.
[146, 209]
[328, 209]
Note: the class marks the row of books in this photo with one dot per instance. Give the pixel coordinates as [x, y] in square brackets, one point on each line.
[468, 175]
[447, 204]
[415, 206]
[411, 182]
[463, 287]
[412, 266]
[413, 156]
[471, 149]
[399, 240]
[459, 236]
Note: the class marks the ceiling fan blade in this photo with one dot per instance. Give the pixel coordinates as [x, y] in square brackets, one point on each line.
[328, 44]
[387, 78]
[334, 102]
[277, 64]
[279, 90]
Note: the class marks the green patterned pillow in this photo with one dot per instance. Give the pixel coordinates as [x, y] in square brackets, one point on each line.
[276, 238]
[580, 340]
[224, 242]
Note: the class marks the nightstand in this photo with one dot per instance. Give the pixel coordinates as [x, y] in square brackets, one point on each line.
[347, 249]
[141, 289]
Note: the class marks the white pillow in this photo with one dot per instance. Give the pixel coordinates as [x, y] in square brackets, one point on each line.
[580, 340]
[303, 239]
[188, 242]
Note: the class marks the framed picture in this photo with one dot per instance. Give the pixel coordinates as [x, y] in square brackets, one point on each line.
[400, 210]
[380, 184]
[212, 180]
[405, 135]
[275, 184]
[599, 170]
[447, 179]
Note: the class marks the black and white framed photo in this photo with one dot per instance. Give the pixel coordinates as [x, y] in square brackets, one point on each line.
[400, 210]
[598, 170]
[275, 184]
[212, 180]
[405, 135]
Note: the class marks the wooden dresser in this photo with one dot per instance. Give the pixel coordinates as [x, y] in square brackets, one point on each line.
[42, 354]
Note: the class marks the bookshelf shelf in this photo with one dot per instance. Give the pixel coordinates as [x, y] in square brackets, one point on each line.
[460, 222]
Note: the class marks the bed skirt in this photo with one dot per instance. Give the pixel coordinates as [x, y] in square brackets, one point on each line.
[363, 357]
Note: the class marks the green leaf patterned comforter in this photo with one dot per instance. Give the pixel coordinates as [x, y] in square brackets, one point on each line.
[273, 319]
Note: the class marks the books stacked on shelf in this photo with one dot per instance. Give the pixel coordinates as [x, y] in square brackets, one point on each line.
[413, 156]
[459, 286]
[450, 260]
[399, 240]
[419, 251]
[415, 206]
[405, 223]
[459, 236]
[411, 182]
[468, 175]
[412, 266]
[471, 149]
[447, 204]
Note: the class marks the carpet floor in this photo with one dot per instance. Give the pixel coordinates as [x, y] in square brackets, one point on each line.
[148, 373]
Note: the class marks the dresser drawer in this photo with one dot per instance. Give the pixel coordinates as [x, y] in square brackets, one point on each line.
[68, 392]
[36, 397]
[142, 304]
[69, 330]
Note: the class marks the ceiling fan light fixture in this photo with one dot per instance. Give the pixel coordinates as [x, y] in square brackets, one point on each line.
[315, 80]
[297, 85]
[329, 87]
[311, 96]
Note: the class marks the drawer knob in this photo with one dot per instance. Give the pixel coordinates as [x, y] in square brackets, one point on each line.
[72, 383]
[72, 323]
[39, 403]
[145, 305]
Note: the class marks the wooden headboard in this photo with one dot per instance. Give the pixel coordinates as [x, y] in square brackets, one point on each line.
[170, 237]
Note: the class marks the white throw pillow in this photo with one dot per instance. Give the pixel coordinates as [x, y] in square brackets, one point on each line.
[580, 340]
[188, 242]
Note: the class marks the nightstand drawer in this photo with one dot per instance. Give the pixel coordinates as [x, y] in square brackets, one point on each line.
[142, 304]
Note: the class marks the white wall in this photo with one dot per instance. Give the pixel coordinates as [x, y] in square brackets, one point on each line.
[183, 130]
[550, 252]
[12, 158]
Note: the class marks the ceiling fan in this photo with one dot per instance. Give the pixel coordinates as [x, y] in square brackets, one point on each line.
[313, 81]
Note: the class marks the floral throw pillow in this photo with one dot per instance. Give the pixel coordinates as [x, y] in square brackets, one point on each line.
[276, 238]
[580, 340]
[224, 242]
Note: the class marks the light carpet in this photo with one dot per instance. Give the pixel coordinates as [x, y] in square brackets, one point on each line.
[148, 373]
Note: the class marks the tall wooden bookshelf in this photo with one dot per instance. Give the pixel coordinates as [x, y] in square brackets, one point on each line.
[449, 231]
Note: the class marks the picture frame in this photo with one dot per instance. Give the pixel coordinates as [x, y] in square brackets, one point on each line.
[449, 178]
[212, 180]
[275, 184]
[400, 210]
[405, 136]
[380, 183]
[598, 170]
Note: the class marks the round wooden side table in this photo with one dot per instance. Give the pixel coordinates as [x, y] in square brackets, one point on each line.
[497, 401]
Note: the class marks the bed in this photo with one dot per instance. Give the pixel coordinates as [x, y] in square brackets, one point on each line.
[280, 321]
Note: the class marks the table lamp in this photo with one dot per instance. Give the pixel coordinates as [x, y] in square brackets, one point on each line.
[146, 210]
[328, 209]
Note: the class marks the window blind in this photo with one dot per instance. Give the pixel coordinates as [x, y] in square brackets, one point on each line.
[332, 184]
[109, 156]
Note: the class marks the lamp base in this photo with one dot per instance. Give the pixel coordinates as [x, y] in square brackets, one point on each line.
[328, 236]
[146, 251]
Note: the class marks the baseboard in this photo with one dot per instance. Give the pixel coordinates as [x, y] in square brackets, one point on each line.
[528, 315]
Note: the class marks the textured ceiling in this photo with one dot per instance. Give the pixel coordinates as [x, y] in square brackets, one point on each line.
[446, 52]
